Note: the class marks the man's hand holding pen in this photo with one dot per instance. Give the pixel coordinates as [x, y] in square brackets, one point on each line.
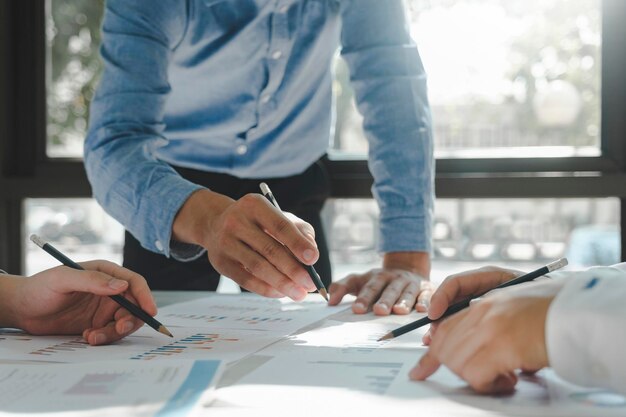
[251, 242]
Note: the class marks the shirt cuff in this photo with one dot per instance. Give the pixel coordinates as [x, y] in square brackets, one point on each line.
[405, 234]
[578, 322]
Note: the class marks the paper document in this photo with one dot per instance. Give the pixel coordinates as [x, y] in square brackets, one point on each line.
[227, 328]
[114, 388]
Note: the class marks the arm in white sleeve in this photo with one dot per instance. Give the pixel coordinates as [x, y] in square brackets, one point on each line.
[586, 328]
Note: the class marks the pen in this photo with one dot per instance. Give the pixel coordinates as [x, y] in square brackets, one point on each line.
[265, 189]
[455, 308]
[132, 308]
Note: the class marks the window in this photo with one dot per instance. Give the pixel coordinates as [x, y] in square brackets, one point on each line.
[73, 38]
[470, 233]
[527, 99]
[507, 78]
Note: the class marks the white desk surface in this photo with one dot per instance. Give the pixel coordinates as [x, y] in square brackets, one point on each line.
[242, 387]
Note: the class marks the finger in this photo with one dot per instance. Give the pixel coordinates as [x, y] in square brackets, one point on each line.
[423, 300]
[69, 280]
[281, 228]
[258, 266]
[427, 365]
[339, 289]
[389, 296]
[406, 301]
[459, 286]
[368, 294]
[305, 228]
[280, 263]
[111, 332]
[427, 338]
[248, 281]
[486, 374]
[138, 286]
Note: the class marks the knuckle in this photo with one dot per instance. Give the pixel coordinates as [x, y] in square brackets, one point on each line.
[270, 250]
[249, 200]
[255, 267]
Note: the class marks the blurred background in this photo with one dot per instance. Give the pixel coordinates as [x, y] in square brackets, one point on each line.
[507, 79]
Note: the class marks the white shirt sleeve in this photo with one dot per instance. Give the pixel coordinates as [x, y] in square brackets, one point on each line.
[586, 328]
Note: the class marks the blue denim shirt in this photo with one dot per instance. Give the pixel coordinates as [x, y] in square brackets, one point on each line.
[244, 87]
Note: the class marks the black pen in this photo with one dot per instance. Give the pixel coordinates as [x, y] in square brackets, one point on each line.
[455, 308]
[132, 308]
[265, 189]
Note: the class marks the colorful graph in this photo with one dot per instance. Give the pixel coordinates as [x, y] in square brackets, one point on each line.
[68, 346]
[198, 341]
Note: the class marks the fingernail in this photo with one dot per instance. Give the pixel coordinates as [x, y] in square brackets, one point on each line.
[359, 306]
[295, 293]
[383, 305]
[308, 255]
[100, 338]
[116, 284]
[425, 303]
[128, 326]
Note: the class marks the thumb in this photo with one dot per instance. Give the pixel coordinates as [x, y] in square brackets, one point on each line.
[71, 280]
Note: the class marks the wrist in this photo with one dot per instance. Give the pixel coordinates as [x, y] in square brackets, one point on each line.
[195, 217]
[415, 262]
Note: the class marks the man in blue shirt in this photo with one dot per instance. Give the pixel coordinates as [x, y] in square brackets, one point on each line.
[201, 100]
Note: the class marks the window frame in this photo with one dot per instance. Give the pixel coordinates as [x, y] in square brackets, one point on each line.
[27, 172]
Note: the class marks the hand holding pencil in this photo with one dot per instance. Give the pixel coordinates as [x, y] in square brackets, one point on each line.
[488, 342]
[65, 301]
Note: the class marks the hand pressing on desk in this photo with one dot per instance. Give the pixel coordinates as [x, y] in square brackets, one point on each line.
[401, 285]
[67, 301]
[488, 342]
[251, 242]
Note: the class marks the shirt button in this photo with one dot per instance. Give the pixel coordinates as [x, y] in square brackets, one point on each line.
[265, 98]
[159, 245]
[277, 54]
[241, 149]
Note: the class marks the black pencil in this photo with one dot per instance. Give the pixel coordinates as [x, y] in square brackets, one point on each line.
[265, 189]
[132, 308]
[455, 308]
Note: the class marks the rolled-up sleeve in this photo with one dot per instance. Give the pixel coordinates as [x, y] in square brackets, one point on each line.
[390, 87]
[126, 121]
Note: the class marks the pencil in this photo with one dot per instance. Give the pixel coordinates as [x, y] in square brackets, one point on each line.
[265, 189]
[455, 308]
[132, 308]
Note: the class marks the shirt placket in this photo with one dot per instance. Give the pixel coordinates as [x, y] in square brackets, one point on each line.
[277, 51]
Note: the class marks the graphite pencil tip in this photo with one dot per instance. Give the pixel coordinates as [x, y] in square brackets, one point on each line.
[163, 329]
[386, 337]
[323, 293]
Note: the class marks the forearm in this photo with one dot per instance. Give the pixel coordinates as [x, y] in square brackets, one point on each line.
[390, 88]
[8, 290]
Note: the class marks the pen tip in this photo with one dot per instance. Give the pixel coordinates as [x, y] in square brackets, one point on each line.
[386, 337]
[163, 329]
[323, 293]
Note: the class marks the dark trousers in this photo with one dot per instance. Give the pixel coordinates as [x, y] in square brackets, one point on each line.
[303, 195]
